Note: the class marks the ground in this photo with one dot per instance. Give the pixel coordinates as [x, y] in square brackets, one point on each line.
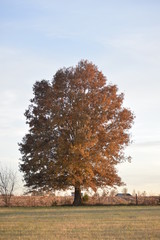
[96, 222]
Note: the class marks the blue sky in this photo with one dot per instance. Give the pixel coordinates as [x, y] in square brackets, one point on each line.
[122, 38]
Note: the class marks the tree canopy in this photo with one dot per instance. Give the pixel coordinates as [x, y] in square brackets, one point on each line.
[78, 130]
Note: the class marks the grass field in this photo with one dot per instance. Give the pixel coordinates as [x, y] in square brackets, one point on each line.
[80, 223]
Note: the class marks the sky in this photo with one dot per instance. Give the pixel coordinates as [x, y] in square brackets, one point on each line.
[37, 37]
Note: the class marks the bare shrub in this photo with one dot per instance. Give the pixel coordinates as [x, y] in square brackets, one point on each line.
[7, 184]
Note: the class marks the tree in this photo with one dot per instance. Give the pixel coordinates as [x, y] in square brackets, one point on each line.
[113, 192]
[78, 130]
[7, 184]
[134, 193]
[124, 191]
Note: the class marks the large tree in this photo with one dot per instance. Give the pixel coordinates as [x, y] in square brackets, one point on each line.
[78, 129]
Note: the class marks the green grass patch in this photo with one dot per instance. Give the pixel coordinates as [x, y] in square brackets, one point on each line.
[101, 222]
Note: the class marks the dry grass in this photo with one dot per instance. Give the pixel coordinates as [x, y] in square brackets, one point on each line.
[80, 223]
[48, 201]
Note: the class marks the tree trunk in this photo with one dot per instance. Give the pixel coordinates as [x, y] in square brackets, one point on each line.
[136, 199]
[77, 197]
